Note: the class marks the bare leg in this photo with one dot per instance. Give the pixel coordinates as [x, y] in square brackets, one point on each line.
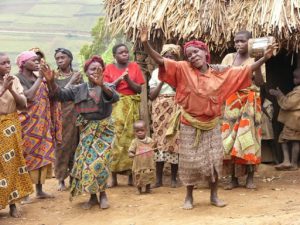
[130, 182]
[147, 189]
[249, 181]
[234, 182]
[159, 174]
[14, 212]
[188, 202]
[286, 158]
[61, 185]
[114, 180]
[295, 155]
[92, 202]
[174, 169]
[103, 200]
[214, 200]
[40, 194]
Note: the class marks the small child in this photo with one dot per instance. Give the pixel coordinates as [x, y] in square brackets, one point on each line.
[142, 152]
[289, 115]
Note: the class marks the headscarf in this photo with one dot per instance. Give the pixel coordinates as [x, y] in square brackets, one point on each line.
[94, 58]
[174, 49]
[23, 57]
[67, 52]
[198, 44]
[38, 51]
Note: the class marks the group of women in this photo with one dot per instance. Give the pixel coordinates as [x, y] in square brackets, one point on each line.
[84, 129]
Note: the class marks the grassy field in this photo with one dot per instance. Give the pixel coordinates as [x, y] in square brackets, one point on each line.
[47, 24]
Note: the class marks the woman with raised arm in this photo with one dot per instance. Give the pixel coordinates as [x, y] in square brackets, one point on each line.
[93, 103]
[200, 91]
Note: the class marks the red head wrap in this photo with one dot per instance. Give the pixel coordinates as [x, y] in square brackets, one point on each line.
[94, 58]
[200, 45]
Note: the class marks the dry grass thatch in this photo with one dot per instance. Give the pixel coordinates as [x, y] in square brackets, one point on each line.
[213, 21]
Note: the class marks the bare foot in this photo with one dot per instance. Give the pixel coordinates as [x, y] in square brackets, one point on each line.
[157, 185]
[43, 195]
[231, 185]
[188, 203]
[61, 186]
[250, 185]
[26, 200]
[88, 205]
[14, 212]
[217, 202]
[103, 201]
[283, 166]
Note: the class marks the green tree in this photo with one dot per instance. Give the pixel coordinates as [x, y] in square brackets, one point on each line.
[102, 44]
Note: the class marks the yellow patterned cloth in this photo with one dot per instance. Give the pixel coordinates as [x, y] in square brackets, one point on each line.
[15, 181]
[125, 113]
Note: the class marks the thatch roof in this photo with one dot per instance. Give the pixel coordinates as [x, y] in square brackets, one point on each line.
[213, 21]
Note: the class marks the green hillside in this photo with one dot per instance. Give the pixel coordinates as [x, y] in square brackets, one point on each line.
[47, 24]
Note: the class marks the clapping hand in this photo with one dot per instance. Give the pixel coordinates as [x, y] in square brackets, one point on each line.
[47, 73]
[76, 78]
[8, 82]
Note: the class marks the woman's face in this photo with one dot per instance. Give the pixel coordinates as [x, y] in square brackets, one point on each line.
[32, 64]
[122, 55]
[196, 56]
[241, 43]
[63, 61]
[92, 69]
[170, 55]
[5, 66]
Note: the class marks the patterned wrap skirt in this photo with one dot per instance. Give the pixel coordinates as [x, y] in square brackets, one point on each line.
[15, 182]
[202, 162]
[163, 108]
[92, 156]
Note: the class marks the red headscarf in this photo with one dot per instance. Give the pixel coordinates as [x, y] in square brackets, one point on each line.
[198, 44]
[94, 58]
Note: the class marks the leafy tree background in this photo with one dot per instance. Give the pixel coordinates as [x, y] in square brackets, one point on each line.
[103, 43]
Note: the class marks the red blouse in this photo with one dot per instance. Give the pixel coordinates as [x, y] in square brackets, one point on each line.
[112, 73]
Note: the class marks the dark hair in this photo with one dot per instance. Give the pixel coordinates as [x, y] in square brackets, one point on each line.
[115, 48]
[244, 32]
[66, 52]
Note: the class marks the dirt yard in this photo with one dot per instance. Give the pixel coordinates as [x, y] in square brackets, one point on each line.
[275, 202]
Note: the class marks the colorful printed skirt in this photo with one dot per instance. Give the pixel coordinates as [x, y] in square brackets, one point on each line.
[241, 128]
[125, 113]
[15, 182]
[92, 157]
[202, 162]
[163, 108]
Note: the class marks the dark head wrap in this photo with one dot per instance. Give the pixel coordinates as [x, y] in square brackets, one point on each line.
[198, 44]
[66, 52]
[94, 58]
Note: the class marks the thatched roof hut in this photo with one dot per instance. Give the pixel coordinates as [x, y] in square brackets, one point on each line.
[213, 21]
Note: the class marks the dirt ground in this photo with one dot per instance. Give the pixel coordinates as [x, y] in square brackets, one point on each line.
[275, 202]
